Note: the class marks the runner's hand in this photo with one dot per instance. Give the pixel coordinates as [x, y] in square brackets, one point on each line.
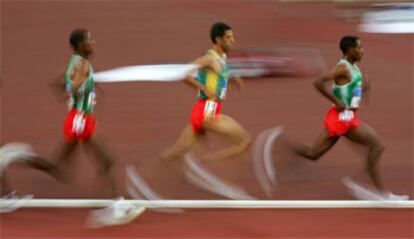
[238, 82]
[340, 105]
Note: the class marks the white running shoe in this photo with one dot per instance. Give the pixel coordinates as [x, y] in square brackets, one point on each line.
[389, 196]
[365, 193]
[202, 177]
[139, 189]
[120, 212]
[12, 152]
[11, 202]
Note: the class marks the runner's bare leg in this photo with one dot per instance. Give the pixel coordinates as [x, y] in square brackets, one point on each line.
[367, 136]
[173, 156]
[105, 161]
[321, 145]
[228, 127]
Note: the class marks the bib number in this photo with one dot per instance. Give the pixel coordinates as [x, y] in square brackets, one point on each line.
[223, 94]
[91, 100]
[356, 98]
[346, 115]
[78, 124]
[210, 109]
[70, 102]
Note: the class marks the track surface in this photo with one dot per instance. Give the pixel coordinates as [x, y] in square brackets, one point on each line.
[138, 120]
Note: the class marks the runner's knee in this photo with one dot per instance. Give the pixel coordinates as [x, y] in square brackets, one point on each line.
[313, 156]
[245, 141]
[307, 152]
[379, 146]
[108, 164]
[245, 144]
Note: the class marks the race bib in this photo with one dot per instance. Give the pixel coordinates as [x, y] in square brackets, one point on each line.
[78, 124]
[70, 102]
[210, 109]
[91, 99]
[223, 92]
[222, 95]
[346, 115]
[355, 102]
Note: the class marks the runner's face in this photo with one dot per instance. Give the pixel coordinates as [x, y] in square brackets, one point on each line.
[89, 43]
[358, 51]
[227, 41]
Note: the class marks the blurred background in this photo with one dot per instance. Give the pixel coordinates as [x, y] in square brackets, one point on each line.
[140, 119]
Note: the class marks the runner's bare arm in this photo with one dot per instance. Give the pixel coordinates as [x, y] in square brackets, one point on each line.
[366, 84]
[338, 73]
[58, 86]
[204, 61]
[58, 82]
[238, 81]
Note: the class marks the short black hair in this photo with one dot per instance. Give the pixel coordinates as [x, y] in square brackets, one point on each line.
[348, 42]
[218, 30]
[77, 36]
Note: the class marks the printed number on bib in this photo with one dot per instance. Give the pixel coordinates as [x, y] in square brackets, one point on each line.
[91, 99]
[78, 124]
[222, 95]
[210, 109]
[70, 102]
[346, 115]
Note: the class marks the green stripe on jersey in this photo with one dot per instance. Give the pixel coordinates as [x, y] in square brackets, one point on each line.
[84, 100]
[345, 92]
[215, 82]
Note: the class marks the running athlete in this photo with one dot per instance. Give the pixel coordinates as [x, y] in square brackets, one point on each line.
[80, 127]
[342, 120]
[212, 82]
[80, 123]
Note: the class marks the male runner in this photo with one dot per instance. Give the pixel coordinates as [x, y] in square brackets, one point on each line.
[211, 83]
[80, 124]
[342, 120]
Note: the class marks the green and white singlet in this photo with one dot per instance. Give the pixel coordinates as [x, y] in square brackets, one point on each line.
[351, 92]
[84, 100]
[215, 82]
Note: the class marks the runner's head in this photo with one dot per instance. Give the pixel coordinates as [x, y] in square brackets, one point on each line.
[82, 42]
[221, 35]
[351, 47]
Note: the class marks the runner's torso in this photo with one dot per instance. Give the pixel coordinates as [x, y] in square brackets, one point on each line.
[215, 81]
[351, 92]
[84, 100]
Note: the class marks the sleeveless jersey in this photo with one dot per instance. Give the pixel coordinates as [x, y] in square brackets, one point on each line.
[215, 82]
[351, 91]
[84, 100]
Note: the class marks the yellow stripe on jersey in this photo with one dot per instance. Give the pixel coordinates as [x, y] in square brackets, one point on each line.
[212, 81]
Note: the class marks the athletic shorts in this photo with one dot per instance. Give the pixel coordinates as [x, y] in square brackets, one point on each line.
[202, 111]
[339, 123]
[78, 126]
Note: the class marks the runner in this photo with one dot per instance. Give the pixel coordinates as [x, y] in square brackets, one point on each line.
[342, 120]
[211, 83]
[80, 125]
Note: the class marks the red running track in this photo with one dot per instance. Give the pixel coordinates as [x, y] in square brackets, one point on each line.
[140, 119]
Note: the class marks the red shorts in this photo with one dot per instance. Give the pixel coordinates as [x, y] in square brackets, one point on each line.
[338, 123]
[78, 126]
[202, 110]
